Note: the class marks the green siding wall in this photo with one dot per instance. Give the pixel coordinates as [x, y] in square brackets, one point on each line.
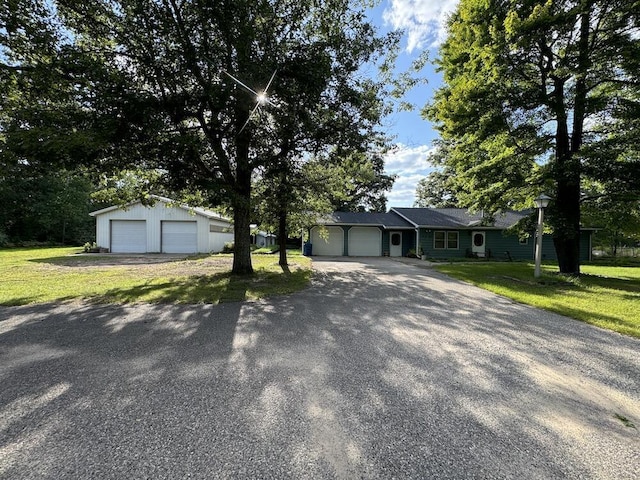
[426, 243]
[345, 237]
[408, 241]
[386, 235]
[497, 245]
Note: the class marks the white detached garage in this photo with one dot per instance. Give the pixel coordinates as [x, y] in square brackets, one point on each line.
[164, 227]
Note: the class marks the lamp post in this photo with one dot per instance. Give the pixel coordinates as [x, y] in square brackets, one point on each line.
[541, 203]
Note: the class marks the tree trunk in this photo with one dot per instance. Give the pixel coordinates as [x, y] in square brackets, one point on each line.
[242, 237]
[566, 210]
[241, 203]
[282, 236]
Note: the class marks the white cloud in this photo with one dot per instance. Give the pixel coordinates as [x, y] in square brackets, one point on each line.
[402, 158]
[411, 165]
[424, 20]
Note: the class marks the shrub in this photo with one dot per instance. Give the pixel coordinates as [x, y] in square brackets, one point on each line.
[91, 248]
[228, 247]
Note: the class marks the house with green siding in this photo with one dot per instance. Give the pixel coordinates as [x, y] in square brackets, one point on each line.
[433, 232]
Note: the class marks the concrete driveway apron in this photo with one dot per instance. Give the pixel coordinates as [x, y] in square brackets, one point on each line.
[380, 369]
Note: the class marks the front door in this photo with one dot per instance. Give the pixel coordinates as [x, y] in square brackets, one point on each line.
[478, 243]
[395, 242]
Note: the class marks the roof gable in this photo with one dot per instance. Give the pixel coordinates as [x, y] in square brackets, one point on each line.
[168, 202]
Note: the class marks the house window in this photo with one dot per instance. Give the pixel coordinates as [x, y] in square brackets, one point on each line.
[219, 229]
[396, 238]
[452, 240]
[445, 240]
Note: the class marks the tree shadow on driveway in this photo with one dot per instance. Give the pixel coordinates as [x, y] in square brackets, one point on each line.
[376, 371]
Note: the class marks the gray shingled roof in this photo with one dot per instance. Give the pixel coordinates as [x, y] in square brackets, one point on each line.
[457, 217]
[388, 220]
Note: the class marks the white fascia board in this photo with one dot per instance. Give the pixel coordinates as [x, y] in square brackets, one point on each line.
[351, 225]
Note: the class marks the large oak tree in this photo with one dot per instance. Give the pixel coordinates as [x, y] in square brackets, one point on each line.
[537, 96]
[169, 85]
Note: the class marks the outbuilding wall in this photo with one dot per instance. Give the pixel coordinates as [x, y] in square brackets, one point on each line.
[154, 216]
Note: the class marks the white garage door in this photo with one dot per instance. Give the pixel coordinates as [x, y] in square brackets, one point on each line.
[333, 245]
[365, 242]
[128, 236]
[179, 237]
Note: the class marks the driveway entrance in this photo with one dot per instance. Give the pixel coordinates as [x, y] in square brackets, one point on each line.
[381, 369]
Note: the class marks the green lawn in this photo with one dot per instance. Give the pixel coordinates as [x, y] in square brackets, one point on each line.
[37, 275]
[606, 296]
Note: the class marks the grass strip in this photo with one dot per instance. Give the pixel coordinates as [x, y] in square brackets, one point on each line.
[605, 296]
[39, 275]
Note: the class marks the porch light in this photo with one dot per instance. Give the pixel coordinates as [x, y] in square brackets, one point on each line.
[542, 201]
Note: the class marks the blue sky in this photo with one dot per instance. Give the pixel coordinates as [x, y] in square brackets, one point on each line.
[423, 23]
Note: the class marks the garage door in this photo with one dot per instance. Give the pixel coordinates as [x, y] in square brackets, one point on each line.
[179, 237]
[333, 245]
[365, 242]
[128, 236]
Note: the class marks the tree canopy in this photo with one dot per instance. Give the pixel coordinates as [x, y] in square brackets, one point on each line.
[171, 86]
[539, 96]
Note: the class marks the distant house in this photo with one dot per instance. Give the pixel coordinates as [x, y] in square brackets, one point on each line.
[434, 232]
[263, 239]
[164, 227]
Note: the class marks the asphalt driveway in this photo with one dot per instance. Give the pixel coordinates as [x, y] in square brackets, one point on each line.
[380, 370]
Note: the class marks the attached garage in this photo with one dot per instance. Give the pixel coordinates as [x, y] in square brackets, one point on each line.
[365, 242]
[179, 237]
[332, 245]
[128, 236]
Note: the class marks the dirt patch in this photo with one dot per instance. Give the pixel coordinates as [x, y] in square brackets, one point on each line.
[157, 263]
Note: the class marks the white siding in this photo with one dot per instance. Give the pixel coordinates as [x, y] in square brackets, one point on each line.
[154, 216]
[220, 232]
